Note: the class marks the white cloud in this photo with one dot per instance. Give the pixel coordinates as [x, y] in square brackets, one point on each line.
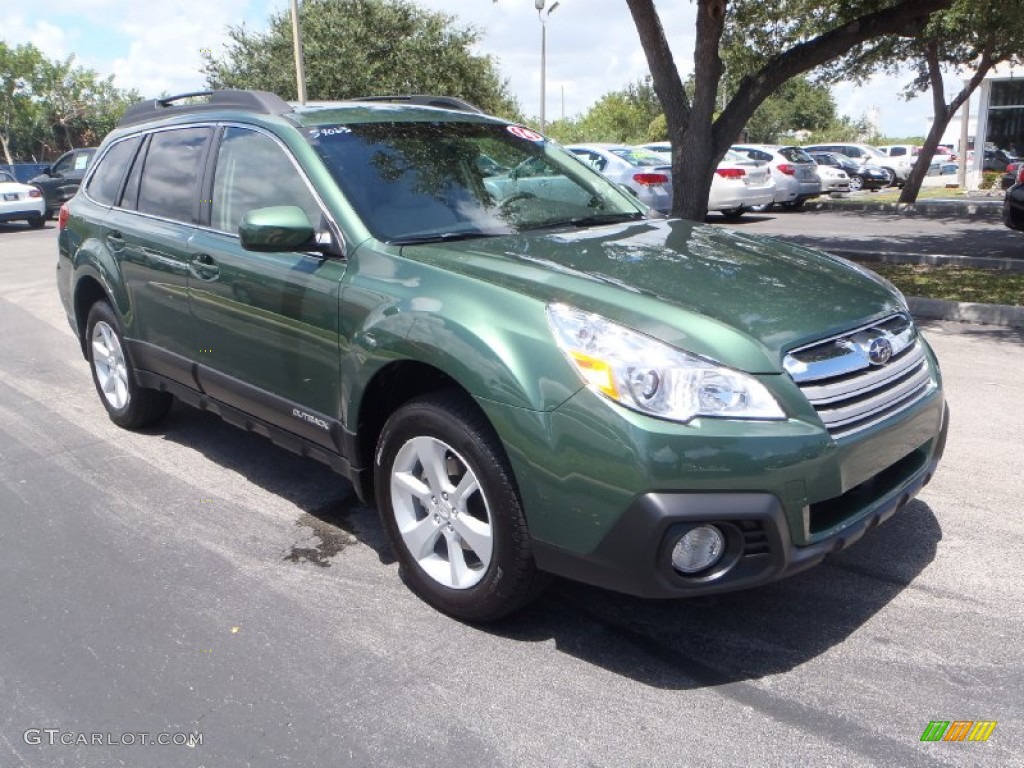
[47, 37]
[167, 40]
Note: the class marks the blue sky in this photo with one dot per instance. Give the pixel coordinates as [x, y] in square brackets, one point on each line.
[592, 47]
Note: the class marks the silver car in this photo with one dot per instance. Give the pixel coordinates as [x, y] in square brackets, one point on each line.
[644, 173]
[793, 170]
[739, 184]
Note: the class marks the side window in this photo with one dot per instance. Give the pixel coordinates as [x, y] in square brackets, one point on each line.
[105, 182]
[64, 165]
[254, 172]
[168, 187]
[897, 151]
[130, 196]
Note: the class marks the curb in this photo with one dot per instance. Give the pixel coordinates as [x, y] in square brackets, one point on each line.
[976, 209]
[966, 312]
[933, 259]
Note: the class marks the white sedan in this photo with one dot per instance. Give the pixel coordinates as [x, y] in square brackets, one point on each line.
[21, 202]
[738, 185]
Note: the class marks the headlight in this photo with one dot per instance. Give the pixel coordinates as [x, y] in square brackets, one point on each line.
[652, 377]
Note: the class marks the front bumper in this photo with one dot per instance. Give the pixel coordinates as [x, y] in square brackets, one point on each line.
[634, 557]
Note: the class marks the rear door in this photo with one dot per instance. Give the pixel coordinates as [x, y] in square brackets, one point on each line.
[150, 231]
[265, 324]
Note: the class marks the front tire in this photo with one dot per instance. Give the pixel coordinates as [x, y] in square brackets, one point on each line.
[449, 504]
[856, 183]
[128, 405]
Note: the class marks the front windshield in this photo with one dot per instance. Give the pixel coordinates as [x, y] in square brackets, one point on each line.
[412, 182]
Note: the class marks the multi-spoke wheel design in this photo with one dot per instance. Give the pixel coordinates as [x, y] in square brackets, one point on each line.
[448, 501]
[442, 513]
[109, 365]
[128, 404]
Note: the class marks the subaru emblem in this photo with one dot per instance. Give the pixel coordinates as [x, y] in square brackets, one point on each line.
[879, 351]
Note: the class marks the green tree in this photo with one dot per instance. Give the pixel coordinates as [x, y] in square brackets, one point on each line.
[766, 45]
[972, 36]
[798, 105]
[362, 48]
[47, 107]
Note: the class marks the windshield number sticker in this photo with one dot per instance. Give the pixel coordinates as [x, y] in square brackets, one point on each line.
[524, 133]
[332, 130]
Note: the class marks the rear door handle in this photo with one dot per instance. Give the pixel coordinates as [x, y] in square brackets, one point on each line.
[204, 267]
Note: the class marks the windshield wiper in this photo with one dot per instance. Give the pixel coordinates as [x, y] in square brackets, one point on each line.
[444, 237]
[587, 221]
[605, 218]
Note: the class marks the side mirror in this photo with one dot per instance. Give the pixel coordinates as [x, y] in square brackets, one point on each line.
[280, 228]
[48, 170]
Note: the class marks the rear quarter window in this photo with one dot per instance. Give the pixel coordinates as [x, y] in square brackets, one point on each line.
[105, 182]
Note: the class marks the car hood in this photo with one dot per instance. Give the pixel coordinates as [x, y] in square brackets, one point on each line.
[738, 299]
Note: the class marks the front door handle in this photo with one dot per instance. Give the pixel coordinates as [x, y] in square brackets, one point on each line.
[204, 267]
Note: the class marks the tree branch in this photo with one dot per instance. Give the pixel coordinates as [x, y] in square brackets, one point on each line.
[664, 73]
[907, 18]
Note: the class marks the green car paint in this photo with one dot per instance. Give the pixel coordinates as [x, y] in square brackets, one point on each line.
[325, 338]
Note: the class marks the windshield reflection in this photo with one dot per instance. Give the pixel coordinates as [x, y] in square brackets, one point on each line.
[425, 182]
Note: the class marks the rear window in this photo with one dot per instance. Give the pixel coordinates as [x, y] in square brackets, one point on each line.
[641, 158]
[795, 155]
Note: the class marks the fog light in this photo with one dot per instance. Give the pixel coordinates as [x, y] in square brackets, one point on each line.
[698, 548]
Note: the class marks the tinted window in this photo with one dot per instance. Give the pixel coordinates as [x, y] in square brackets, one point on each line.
[795, 155]
[64, 164]
[169, 178]
[130, 196]
[105, 182]
[254, 172]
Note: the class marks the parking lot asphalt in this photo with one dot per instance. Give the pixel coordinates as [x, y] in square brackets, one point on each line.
[197, 579]
[878, 234]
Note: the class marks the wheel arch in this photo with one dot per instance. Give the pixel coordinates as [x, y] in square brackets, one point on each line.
[389, 389]
[88, 290]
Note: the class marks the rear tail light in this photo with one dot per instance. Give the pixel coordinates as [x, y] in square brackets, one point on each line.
[787, 169]
[34, 193]
[1020, 174]
[649, 179]
[731, 173]
[62, 218]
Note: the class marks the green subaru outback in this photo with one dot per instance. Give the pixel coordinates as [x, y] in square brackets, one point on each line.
[527, 371]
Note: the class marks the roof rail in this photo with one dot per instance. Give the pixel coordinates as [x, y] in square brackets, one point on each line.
[263, 102]
[422, 100]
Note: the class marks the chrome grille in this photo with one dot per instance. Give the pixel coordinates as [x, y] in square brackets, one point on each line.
[847, 389]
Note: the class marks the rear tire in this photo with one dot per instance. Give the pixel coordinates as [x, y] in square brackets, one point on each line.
[128, 405]
[733, 214]
[448, 501]
[36, 222]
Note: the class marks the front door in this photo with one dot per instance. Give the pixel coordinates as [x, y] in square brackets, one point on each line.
[265, 324]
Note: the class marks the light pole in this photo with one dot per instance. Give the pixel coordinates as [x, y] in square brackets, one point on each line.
[300, 75]
[543, 17]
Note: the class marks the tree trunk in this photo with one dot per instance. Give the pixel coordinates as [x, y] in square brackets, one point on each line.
[697, 144]
[7, 151]
[698, 157]
[943, 114]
